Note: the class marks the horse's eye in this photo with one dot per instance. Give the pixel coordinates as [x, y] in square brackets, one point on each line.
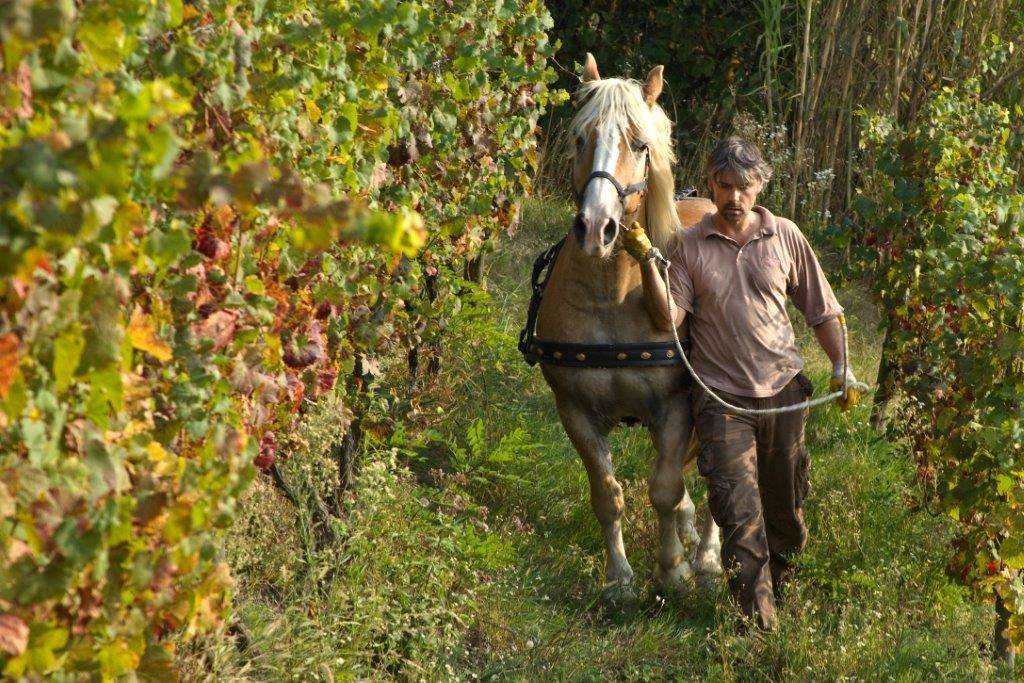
[639, 146]
[580, 141]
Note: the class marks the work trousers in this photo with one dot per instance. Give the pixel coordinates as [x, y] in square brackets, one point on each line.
[756, 470]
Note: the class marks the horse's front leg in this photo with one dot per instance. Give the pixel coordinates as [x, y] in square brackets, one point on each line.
[707, 558]
[686, 521]
[590, 438]
[707, 561]
[671, 435]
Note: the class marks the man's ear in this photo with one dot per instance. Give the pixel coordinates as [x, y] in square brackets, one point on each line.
[655, 82]
[590, 69]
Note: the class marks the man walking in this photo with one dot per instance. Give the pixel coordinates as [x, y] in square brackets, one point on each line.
[730, 278]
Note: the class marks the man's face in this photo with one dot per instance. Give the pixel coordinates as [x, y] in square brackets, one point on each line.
[733, 198]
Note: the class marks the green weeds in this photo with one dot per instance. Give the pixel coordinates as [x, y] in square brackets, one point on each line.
[472, 551]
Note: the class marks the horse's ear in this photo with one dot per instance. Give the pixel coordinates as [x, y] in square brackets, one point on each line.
[655, 82]
[590, 69]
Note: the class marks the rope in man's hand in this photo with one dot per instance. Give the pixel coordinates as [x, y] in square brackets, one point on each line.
[844, 387]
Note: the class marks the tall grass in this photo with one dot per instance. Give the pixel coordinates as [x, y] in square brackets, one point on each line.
[811, 65]
[851, 54]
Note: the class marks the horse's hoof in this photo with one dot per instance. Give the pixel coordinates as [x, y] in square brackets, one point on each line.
[619, 595]
[674, 579]
[708, 582]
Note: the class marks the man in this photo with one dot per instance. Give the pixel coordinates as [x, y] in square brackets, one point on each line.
[731, 275]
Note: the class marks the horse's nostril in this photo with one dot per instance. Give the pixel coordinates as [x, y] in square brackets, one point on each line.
[611, 231]
[579, 228]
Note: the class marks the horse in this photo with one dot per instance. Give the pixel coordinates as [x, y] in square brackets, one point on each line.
[622, 171]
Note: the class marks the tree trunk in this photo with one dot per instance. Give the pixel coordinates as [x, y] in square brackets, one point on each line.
[345, 452]
[884, 382]
[1003, 647]
[474, 269]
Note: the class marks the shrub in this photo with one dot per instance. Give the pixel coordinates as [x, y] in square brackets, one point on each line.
[944, 213]
[211, 214]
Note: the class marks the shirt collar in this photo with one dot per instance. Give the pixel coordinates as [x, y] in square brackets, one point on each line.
[707, 225]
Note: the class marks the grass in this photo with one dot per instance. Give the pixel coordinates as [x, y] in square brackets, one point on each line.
[474, 554]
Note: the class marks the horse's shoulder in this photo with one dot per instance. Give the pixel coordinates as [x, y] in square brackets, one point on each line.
[692, 209]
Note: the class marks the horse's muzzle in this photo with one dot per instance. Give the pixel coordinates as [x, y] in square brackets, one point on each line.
[609, 231]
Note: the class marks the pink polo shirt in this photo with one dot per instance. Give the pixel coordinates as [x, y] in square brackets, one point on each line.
[735, 298]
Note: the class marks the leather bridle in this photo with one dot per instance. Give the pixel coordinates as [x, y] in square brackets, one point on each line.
[623, 192]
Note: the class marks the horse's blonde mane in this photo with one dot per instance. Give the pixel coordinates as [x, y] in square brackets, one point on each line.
[620, 103]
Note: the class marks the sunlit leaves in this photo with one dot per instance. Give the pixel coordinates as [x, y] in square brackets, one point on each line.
[943, 209]
[143, 335]
[8, 361]
[213, 215]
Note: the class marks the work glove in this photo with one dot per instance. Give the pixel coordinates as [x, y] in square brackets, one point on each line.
[637, 244]
[854, 389]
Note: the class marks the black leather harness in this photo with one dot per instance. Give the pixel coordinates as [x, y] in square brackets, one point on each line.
[644, 354]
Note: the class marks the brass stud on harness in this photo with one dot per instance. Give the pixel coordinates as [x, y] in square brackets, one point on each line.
[670, 353]
[646, 355]
[621, 356]
[581, 356]
[540, 351]
[557, 355]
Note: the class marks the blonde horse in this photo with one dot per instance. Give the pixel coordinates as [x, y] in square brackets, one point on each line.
[623, 172]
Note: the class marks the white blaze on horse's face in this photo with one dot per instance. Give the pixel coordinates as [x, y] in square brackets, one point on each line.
[600, 211]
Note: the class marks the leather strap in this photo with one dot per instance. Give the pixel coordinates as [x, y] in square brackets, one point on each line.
[636, 355]
[623, 192]
[541, 266]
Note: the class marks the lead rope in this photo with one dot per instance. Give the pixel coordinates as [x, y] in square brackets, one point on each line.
[664, 265]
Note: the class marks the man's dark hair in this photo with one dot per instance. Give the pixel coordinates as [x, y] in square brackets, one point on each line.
[739, 156]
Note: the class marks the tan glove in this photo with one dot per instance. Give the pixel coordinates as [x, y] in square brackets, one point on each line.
[854, 389]
[636, 242]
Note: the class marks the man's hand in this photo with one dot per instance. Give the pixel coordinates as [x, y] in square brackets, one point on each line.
[854, 389]
[636, 242]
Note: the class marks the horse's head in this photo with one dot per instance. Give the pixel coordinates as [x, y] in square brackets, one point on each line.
[622, 159]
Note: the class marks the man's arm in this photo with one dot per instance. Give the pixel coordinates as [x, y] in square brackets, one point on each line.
[663, 311]
[658, 299]
[830, 337]
[814, 297]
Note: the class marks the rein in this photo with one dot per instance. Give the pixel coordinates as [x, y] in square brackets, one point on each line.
[652, 354]
[663, 265]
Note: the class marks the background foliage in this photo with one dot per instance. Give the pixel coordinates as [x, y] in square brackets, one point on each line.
[800, 69]
[943, 246]
[213, 215]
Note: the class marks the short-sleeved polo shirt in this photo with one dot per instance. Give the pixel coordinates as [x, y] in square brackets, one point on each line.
[735, 299]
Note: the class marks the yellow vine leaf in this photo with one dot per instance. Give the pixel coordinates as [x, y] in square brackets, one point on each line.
[142, 332]
[312, 110]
